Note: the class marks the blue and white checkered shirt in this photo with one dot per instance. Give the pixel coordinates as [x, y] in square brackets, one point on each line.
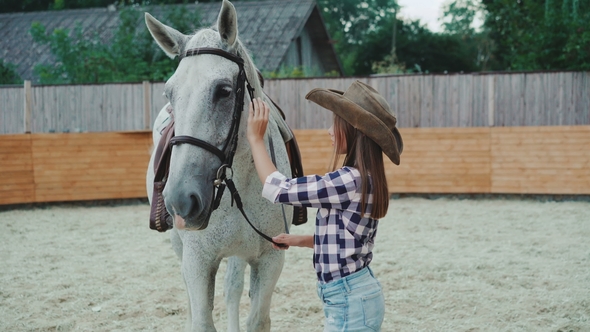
[343, 239]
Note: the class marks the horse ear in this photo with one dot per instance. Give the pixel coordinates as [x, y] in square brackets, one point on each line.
[169, 39]
[227, 23]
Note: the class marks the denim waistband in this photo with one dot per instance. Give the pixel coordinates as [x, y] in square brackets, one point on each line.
[350, 281]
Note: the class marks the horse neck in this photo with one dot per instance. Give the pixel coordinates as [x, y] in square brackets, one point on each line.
[243, 165]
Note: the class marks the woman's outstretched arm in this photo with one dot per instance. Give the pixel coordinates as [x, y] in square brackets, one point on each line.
[289, 240]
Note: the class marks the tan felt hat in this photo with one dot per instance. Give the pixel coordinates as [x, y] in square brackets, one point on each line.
[366, 110]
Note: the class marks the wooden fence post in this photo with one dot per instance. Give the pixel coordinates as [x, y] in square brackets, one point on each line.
[147, 105]
[491, 99]
[27, 110]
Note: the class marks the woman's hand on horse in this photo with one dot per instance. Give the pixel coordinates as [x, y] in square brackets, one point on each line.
[282, 239]
[289, 240]
[257, 120]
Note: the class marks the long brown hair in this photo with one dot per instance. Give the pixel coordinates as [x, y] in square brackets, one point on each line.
[365, 155]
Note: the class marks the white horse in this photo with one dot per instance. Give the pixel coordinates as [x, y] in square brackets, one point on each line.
[201, 92]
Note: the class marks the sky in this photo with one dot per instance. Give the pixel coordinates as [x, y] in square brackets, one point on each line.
[428, 11]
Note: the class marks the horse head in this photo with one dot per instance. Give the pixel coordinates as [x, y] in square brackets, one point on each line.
[202, 92]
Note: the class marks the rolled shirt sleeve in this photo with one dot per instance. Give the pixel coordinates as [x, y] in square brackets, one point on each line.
[335, 190]
[272, 186]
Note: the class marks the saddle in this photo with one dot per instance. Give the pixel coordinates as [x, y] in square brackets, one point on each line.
[161, 220]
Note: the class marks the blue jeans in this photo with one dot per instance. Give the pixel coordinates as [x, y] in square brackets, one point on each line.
[353, 303]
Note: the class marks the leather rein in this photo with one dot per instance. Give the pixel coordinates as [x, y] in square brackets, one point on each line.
[227, 153]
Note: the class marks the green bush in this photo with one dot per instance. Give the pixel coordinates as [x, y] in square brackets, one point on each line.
[131, 56]
[8, 74]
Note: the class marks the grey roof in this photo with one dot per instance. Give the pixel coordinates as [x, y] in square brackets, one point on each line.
[266, 28]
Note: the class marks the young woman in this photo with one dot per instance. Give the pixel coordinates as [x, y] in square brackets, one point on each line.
[350, 200]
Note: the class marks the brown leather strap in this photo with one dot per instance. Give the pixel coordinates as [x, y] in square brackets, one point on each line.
[160, 219]
[200, 143]
[163, 150]
[299, 213]
[214, 51]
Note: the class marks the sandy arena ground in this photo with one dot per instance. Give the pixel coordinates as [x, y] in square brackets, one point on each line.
[445, 265]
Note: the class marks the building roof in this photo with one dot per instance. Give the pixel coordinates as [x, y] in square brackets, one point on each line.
[266, 28]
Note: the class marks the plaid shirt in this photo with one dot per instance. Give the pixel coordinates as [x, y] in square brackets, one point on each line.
[343, 239]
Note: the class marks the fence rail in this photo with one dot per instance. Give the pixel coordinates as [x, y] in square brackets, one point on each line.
[508, 160]
[470, 100]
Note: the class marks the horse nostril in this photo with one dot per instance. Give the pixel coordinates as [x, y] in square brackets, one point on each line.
[195, 204]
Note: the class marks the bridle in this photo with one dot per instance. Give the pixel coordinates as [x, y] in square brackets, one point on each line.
[227, 153]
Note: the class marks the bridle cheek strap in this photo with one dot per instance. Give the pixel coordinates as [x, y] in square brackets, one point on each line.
[226, 155]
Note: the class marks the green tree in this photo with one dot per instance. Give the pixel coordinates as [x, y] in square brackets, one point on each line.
[422, 50]
[132, 55]
[11, 6]
[539, 34]
[350, 23]
[8, 74]
[458, 20]
[364, 41]
[417, 50]
[458, 17]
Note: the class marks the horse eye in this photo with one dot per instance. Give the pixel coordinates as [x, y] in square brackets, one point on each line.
[223, 92]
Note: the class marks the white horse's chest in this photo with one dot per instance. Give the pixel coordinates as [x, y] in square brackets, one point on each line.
[229, 233]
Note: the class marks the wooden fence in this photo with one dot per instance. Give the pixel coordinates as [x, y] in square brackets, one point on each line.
[509, 160]
[523, 160]
[470, 100]
[73, 167]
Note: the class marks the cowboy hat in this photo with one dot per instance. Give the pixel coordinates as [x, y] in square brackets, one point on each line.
[366, 110]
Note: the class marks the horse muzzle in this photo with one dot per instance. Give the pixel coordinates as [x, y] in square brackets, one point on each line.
[181, 223]
[189, 210]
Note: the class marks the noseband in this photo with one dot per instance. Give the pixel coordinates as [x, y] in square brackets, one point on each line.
[226, 154]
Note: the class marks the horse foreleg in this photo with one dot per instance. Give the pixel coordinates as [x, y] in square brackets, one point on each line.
[263, 279]
[234, 286]
[176, 242]
[199, 277]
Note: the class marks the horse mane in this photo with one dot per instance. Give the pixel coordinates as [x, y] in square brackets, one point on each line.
[252, 75]
[250, 68]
